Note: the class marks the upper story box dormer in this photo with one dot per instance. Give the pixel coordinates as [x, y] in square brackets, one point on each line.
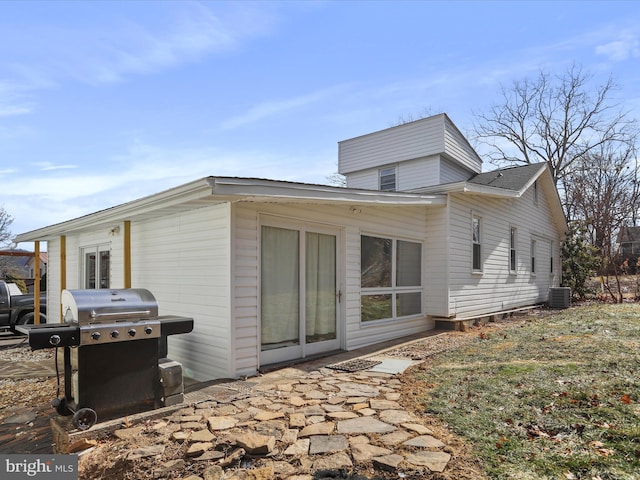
[426, 152]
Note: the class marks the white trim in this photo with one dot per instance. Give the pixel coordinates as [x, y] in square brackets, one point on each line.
[212, 190]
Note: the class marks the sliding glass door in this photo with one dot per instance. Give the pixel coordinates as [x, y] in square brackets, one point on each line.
[299, 292]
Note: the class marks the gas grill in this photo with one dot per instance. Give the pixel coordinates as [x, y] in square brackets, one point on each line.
[115, 346]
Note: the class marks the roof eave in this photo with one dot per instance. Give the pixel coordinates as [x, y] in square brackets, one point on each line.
[237, 190]
[210, 190]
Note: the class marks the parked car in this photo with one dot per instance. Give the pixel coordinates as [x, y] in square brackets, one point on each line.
[17, 308]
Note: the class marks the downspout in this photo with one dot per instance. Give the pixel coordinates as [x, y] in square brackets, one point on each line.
[36, 283]
[127, 254]
[63, 268]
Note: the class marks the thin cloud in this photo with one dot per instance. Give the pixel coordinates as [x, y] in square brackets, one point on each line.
[48, 167]
[625, 47]
[276, 107]
[97, 54]
[14, 110]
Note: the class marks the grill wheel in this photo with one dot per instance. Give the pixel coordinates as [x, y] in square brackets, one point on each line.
[84, 419]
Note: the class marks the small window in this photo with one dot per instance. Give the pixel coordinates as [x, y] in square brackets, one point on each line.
[535, 192]
[477, 246]
[512, 250]
[533, 257]
[551, 257]
[388, 179]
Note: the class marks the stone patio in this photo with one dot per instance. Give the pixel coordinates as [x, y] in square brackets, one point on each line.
[292, 423]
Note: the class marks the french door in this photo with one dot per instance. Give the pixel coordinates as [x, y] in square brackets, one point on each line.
[96, 266]
[299, 292]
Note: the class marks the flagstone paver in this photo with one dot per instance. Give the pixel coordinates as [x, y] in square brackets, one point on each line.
[327, 444]
[322, 419]
[364, 425]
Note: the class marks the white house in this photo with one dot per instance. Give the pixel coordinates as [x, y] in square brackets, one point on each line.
[273, 271]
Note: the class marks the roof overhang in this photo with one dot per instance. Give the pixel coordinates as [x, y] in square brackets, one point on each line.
[215, 190]
[270, 191]
[543, 174]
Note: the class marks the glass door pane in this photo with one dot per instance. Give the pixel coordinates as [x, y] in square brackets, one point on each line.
[280, 297]
[320, 287]
[90, 270]
[104, 269]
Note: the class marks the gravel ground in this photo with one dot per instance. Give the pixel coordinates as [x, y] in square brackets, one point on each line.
[17, 393]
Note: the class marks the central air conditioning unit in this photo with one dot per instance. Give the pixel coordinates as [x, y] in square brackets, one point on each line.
[559, 297]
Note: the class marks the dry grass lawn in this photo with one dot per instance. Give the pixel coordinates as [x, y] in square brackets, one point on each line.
[555, 397]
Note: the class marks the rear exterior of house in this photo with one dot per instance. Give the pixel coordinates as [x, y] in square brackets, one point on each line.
[275, 271]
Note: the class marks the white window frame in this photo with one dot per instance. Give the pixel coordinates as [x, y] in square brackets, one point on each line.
[477, 218]
[97, 250]
[533, 257]
[384, 175]
[512, 258]
[394, 290]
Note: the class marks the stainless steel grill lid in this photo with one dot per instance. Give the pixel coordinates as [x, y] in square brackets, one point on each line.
[111, 315]
[86, 307]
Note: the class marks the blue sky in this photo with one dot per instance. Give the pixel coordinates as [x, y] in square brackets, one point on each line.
[105, 102]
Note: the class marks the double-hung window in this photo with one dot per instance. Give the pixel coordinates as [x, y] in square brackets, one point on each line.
[477, 244]
[388, 179]
[512, 249]
[533, 257]
[391, 278]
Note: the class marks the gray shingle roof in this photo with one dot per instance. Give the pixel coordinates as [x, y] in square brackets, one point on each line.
[513, 178]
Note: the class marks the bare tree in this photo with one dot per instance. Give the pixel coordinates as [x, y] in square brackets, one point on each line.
[559, 119]
[603, 192]
[6, 237]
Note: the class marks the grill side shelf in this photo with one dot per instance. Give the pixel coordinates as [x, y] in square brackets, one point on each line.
[51, 336]
[173, 325]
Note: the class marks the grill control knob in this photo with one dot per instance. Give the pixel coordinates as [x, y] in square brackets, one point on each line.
[55, 340]
[148, 330]
[132, 332]
[115, 334]
[95, 335]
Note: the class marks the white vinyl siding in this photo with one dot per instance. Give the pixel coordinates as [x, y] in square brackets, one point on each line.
[456, 146]
[427, 152]
[410, 175]
[426, 137]
[497, 288]
[100, 236]
[405, 222]
[437, 262]
[404, 142]
[184, 260]
[451, 172]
